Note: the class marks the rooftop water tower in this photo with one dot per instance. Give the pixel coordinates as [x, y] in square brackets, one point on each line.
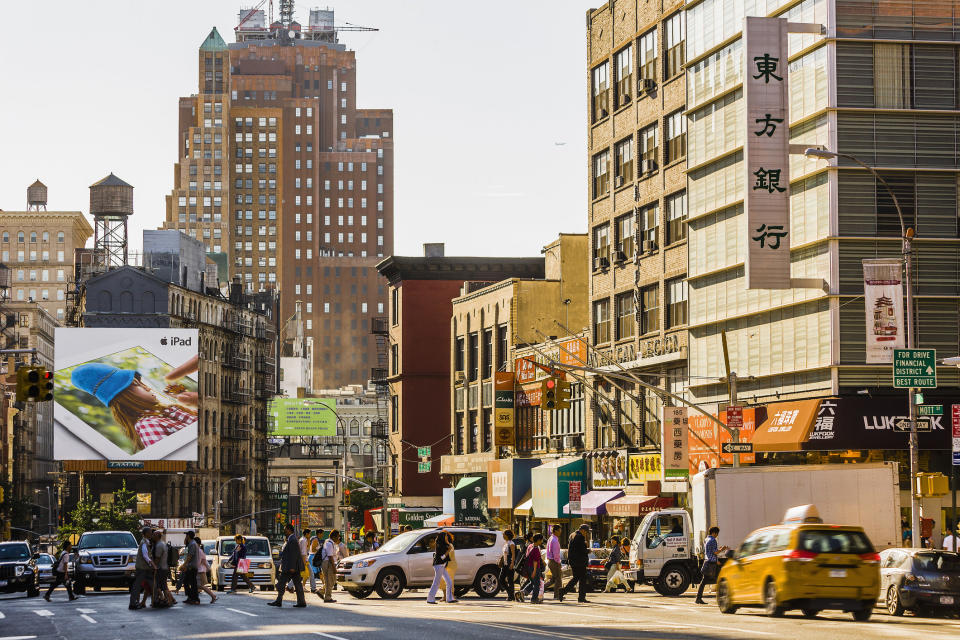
[37, 197]
[111, 203]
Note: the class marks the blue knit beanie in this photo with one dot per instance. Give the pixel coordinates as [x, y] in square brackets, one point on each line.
[102, 380]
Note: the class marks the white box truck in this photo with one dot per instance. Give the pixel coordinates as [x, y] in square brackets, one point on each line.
[667, 545]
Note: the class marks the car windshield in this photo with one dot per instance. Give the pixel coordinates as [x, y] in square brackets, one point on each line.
[933, 561]
[120, 540]
[400, 542]
[209, 548]
[254, 547]
[45, 558]
[834, 541]
[14, 552]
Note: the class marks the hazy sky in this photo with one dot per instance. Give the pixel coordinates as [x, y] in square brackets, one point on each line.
[482, 94]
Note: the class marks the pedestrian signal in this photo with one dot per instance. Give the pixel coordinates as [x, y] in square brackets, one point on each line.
[563, 394]
[548, 394]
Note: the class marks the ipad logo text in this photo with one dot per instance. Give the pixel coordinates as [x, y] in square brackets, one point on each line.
[176, 341]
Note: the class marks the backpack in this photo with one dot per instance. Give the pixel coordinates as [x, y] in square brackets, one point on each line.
[172, 556]
[520, 559]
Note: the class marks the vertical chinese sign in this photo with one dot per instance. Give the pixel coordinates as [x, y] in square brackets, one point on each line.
[883, 299]
[673, 443]
[767, 153]
[503, 402]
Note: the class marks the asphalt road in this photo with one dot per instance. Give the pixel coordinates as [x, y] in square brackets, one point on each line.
[637, 616]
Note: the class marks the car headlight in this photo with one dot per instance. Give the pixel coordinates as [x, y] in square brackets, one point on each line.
[364, 563]
[84, 557]
[20, 568]
[225, 564]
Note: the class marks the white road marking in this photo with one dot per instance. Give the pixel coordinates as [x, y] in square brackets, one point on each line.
[43, 612]
[246, 613]
[86, 610]
[88, 618]
[327, 635]
[2, 616]
[17, 637]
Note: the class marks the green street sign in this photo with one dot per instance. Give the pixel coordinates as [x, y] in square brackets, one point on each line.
[423, 467]
[914, 368]
[423, 452]
[931, 410]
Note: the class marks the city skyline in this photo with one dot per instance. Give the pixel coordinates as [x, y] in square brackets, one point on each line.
[516, 171]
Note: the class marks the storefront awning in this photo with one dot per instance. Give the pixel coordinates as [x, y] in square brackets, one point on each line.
[470, 500]
[594, 503]
[787, 426]
[443, 520]
[633, 506]
[525, 508]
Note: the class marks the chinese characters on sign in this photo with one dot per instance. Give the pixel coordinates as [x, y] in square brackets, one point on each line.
[644, 467]
[574, 494]
[766, 154]
[883, 299]
[674, 443]
[610, 471]
[826, 415]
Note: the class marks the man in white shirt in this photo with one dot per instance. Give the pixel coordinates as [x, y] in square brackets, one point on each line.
[61, 573]
[305, 552]
[329, 553]
[951, 542]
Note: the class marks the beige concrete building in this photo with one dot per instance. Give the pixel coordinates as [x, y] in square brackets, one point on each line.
[38, 246]
[637, 211]
[490, 323]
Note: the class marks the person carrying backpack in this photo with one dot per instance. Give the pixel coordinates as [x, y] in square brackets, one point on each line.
[533, 570]
[508, 558]
[61, 573]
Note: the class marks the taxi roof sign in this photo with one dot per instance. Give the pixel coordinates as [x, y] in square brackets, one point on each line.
[802, 514]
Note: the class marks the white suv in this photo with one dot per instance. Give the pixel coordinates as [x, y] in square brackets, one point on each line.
[407, 561]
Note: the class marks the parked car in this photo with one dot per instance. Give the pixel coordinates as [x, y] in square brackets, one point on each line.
[258, 553]
[407, 561]
[18, 569]
[920, 580]
[45, 563]
[805, 565]
[104, 559]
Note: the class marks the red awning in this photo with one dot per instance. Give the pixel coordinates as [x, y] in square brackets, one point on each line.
[634, 506]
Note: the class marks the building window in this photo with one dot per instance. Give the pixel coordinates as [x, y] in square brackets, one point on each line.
[458, 355]
[676, 217]
[624, 158]
[395, 305]
[601, 91]
[625, 242]
[488, 354]
[649, 151]
[650, 309]
[474, 356]
[601, 174]
[649, 227]
[623, 68]
[676, 147]
[892, 76]
[395, 413]
[626, 316]
[674, 29]
[601, 321]
[601, 246]
[647, 54]
[394, 359]
[502, 347]
[676, 302]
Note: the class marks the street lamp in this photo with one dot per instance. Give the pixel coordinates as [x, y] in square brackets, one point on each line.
[216, 506]
[906, 239]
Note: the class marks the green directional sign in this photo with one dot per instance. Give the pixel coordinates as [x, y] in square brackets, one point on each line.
[423, 467]
[914, 368]
[423, 452]
[931, 409]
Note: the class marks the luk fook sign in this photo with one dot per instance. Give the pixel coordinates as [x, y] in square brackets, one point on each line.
[883, 298]
[767, 153]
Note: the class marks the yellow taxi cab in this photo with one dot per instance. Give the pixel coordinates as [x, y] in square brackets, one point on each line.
[802, 564]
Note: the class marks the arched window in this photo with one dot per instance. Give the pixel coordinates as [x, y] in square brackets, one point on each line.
[45, 236]
[354, 448]
[33, 236]
[354, 427]
[366, 427]
[339, 428]
[20, 237]
[60, 236]
[6, 237]
[367, 449]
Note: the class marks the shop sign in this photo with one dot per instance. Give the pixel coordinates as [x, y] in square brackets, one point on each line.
[609, 471]
[643, 468]
[674, 443]
[499, 484]
[706, 440]
[574, 494]
[569, 351]
[529, 397]
[394, 521]
[503, 409]
[870, 423]
[955, 412]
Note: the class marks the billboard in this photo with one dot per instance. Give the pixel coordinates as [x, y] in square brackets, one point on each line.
[303, 417]
[125, 394]
[883, 300]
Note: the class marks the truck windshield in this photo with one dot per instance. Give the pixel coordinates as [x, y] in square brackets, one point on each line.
[14, 552]
[120, 540]
[254, 547]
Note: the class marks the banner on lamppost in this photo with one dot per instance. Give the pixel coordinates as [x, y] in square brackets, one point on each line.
[883, 299]
[766, 159]
[674, 445]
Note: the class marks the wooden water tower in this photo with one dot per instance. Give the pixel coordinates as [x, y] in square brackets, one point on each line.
[111, 203]
[37, 197]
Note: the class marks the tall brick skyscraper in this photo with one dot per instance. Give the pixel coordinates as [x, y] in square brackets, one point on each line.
[281, 174]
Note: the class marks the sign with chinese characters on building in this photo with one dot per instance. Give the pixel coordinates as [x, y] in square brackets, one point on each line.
[883, 299]
[574, 494]
[503, 411]
[609, 471]
[644, 467]
[569, 351]
[674, 446]
[767, 153]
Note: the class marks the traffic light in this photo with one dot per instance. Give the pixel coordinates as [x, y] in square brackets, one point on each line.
[563, 394]
[46, 384]
[305, 487]
[548, 394]
[34, 384]
[313, 486]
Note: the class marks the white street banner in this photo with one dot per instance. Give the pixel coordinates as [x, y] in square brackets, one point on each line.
[767, 153]
[883, 299]
[674, 444]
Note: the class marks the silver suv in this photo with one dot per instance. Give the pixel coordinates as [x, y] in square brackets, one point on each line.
[105, 559]
[407, 561]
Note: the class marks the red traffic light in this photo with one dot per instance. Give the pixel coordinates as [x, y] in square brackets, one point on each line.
[551, 383]
[47, 375]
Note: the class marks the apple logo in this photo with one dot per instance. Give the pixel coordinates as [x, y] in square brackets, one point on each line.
[163, 341]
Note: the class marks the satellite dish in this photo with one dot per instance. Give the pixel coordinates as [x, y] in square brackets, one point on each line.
[292, 33]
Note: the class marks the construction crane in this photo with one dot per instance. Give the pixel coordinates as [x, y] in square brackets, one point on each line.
[252, 11]
[353, 27]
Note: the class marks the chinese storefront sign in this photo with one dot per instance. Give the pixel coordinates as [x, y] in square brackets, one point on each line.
[674, 445]
[574, 497]
[883, 299]
[766, 153]
[610, 471]
[644, 467]
[503, 409]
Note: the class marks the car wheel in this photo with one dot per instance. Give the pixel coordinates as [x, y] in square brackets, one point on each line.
[770, 604]
[810, 613]
[894, 604]
[487, 582]
[674, 581]
[864, 614]
[360, 593]
[389, 584]
[725, 598]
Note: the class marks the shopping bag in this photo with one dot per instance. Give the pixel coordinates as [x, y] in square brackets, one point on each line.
[243, 565]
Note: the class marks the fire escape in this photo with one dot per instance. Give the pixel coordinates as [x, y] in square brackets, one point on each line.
[378, 375]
